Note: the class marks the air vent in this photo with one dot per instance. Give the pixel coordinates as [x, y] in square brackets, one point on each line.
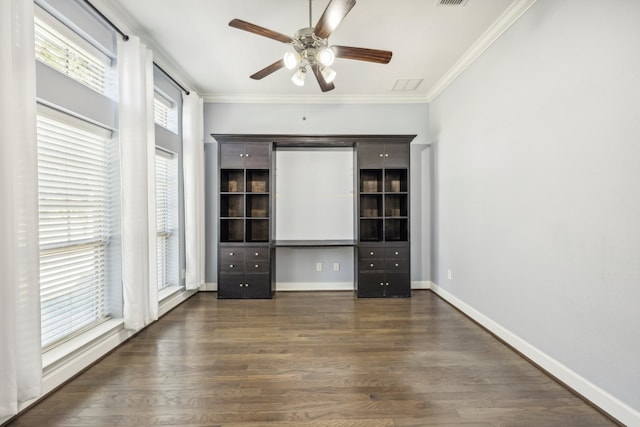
[451, 2]
[406, 85]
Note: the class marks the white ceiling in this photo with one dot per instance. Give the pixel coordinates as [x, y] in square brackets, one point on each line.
[191, 39]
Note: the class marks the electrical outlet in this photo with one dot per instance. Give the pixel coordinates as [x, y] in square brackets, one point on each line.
[449, 274]
[336, 266]
[318, 266]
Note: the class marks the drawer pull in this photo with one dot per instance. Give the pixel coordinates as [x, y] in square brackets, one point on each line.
[257, 254]
[396, 252]
[370, 265]
[230, 253]
[381, 284]
[256, 266]
[231, 265]
[371, 253]
[396, 265]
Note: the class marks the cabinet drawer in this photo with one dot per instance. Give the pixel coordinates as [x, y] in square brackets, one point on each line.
[256, 266]
[257, 254]
[396, 265]
[370, 252]
[396, 252]
[371, 265]
[231, 255]
[232, 266]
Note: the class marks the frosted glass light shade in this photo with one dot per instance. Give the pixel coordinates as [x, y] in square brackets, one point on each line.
[326, 57]
[299, 76]
[329, 74]
[291, 60]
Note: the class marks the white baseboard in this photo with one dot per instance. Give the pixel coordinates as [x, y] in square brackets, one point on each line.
[420, 284]
[314, 286]
[605, 401]
[342, 286]
[208, 287]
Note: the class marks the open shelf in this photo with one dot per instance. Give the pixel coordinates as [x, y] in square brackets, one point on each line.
[231, 205]
[257, 181]
[258, 205]
[395, 205]
[371, 181]
[231, 230]
[232, 181]
[395, 181]
[396, 230]
[257, 230]
[371, 230]
[370, 205]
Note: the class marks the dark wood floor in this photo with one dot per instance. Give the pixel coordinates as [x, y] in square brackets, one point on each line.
[313, 359]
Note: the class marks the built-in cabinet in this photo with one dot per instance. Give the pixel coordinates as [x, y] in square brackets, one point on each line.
[246, 254]
[383, 225]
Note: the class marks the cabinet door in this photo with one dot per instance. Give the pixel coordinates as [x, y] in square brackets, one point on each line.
[231, 285]
[257, 286]
[396, 155]
[371, 285]
[231, 155]
[370, 155]
[256, 155]
[397, 285]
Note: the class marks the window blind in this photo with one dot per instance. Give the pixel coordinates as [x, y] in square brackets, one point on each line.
[73, 190]
[166, 216]
[66, 52]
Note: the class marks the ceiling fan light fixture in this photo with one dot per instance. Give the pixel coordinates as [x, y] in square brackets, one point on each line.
[326, 57]
[299, 76]
[291, 60]
[329, 74]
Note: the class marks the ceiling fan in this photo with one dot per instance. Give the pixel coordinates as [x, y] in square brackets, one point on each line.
[311, 47]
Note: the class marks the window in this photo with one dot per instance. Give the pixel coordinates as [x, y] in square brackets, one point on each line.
[166, 218]
[65, 51]
[165, 112]
[74, 225]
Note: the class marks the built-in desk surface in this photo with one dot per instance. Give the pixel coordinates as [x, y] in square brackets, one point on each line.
[311, 243]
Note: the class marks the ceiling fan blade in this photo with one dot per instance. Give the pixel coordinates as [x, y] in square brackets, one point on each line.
[324, 86]
[261, 31]
[268, 70]
[362, 54]
[332, 16]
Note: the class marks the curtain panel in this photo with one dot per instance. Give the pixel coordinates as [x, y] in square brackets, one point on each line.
[137, 169]
[193, 166]
[20, 345]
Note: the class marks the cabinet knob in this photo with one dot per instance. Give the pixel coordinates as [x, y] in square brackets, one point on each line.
[396, 252]
[381, 284]
[386, 284]
[241, 154]
[386, 155]
[371, 253]
[381, 155]
[246, 155]
[256, 266]
[230, 253]
[230, 265]
[256, 254]
[371, 265]
[396, 264]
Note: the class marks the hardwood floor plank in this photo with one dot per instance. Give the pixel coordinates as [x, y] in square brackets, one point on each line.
[318, 359]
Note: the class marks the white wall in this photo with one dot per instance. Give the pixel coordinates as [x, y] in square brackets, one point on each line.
[538, 191]
[329, 119]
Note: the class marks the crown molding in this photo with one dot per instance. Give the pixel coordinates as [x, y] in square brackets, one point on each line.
[502, 24]
[314, 99]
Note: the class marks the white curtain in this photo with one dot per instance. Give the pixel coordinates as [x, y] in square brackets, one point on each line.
[137, 168]
[20, 349]
[193, 166]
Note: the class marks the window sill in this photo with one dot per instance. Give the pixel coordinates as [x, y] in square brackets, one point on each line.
[57, 355]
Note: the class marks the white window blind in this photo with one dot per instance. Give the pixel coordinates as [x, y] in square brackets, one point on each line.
[166, 218]
[165, 112]
[65, 51]
[74, 224]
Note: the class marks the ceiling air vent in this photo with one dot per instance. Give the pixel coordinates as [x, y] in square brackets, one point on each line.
[451, 2]
[406, 85]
